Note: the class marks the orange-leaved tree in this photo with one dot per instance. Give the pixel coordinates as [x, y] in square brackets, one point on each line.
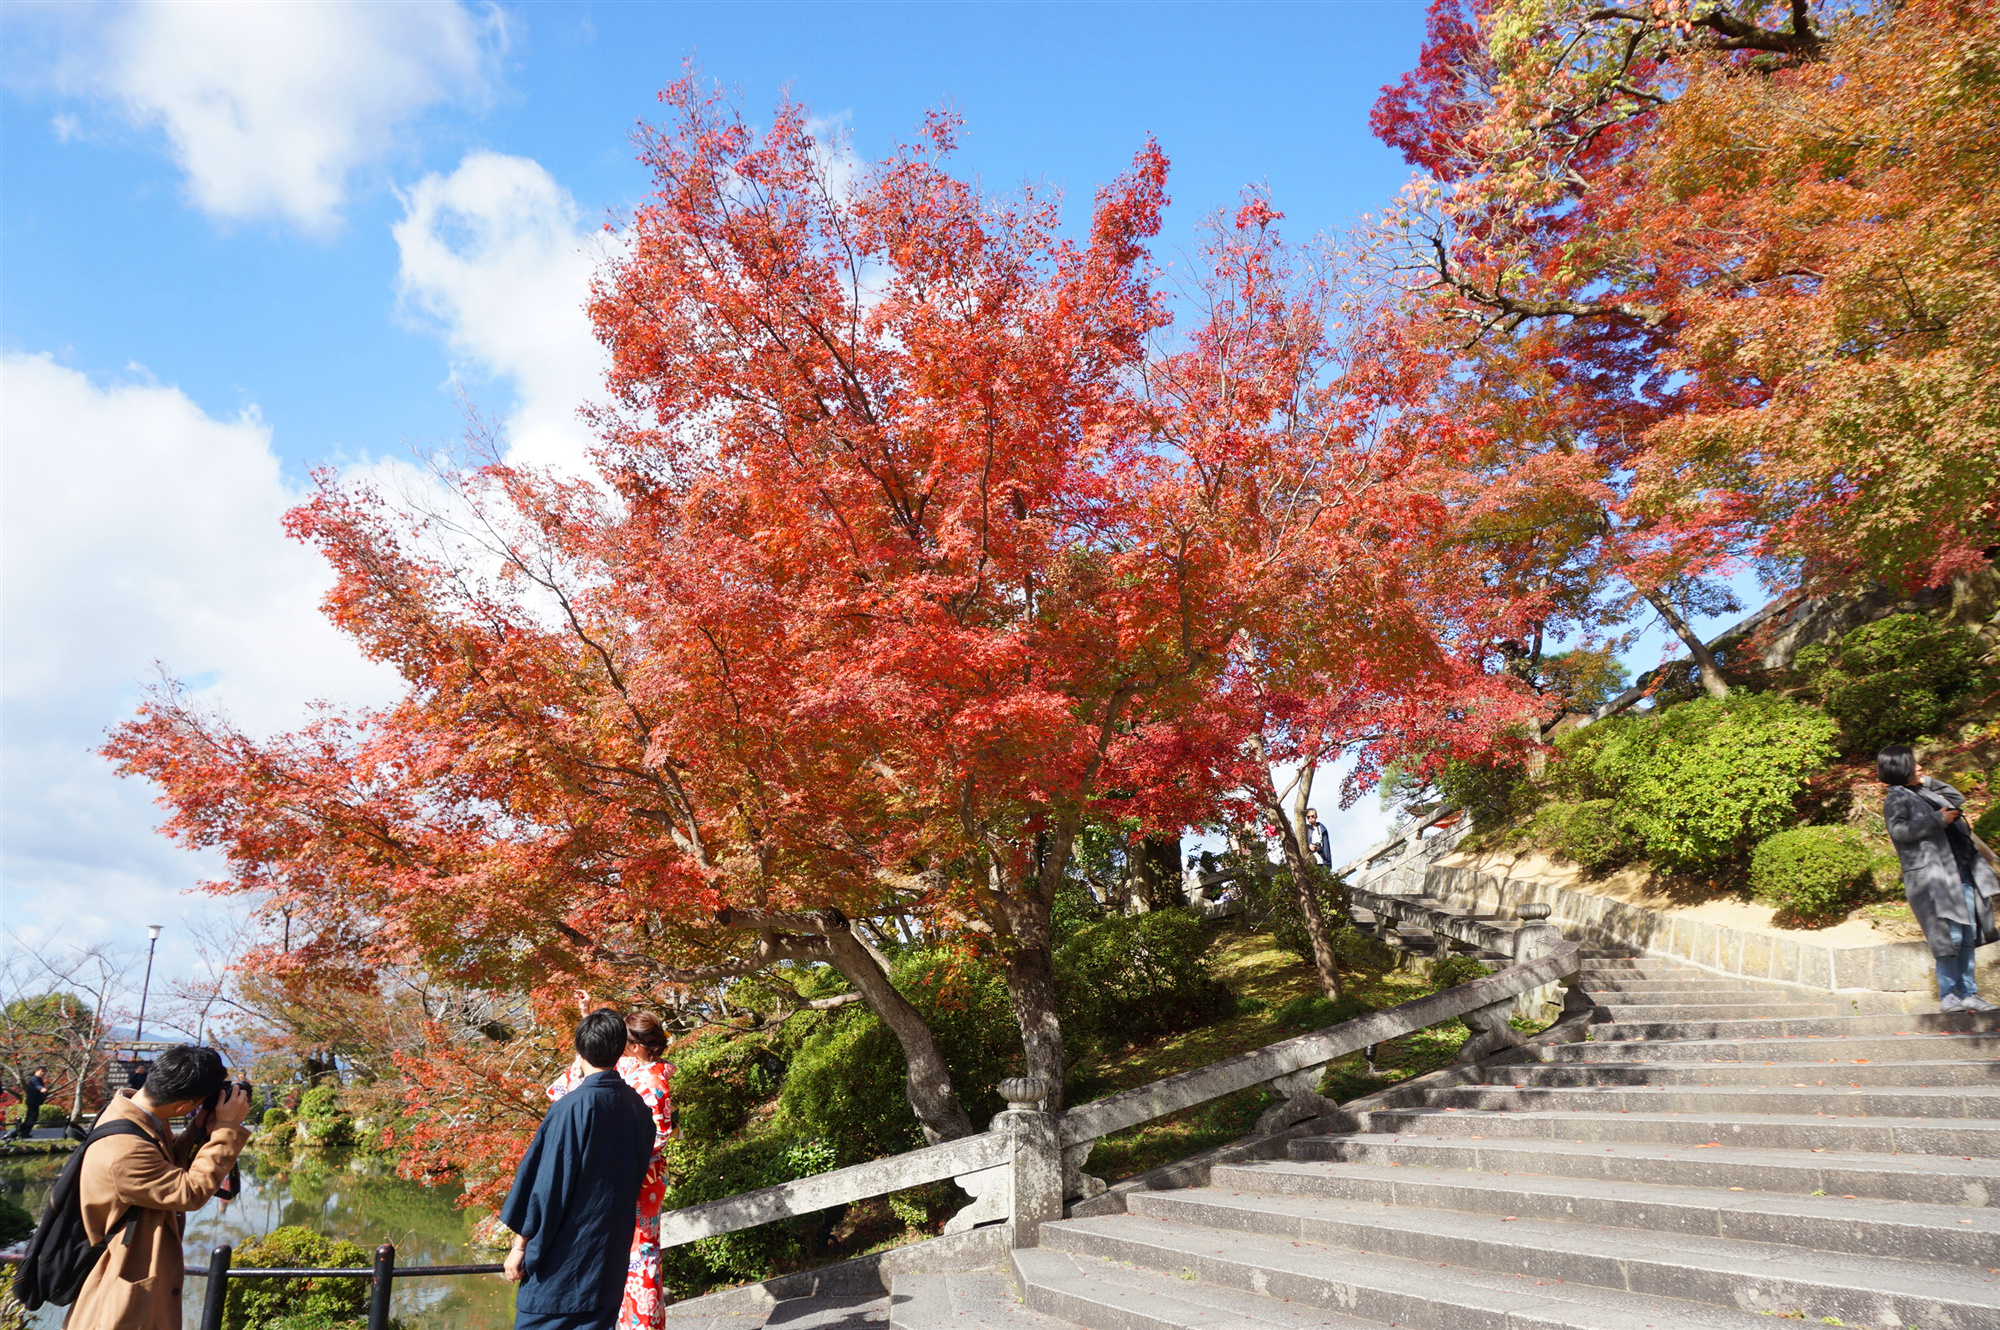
[1717, 279]
[897, 574]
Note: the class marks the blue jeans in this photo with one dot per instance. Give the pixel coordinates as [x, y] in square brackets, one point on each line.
[1954, 973]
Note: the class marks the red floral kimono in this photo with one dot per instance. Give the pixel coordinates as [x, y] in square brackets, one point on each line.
[645, 1306]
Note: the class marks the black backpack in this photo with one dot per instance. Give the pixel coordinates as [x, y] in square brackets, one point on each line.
[60, 1255]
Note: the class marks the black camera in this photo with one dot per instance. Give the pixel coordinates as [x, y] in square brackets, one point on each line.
[227, 1090]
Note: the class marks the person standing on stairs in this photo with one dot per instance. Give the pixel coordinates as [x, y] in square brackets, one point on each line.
[1948, 882]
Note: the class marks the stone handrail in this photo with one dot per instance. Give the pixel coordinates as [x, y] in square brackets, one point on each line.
[1294, 1067]
[1406, 850]
[1023, 1170]
[879, 1177]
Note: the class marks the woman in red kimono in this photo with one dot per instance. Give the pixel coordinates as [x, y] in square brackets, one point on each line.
[645, 1305]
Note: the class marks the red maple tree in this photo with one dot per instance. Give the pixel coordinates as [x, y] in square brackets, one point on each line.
[908, 555]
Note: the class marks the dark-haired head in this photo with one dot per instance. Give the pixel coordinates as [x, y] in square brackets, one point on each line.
[644, 1029]
[600, 1038]
[183, 1073]
[1896, 764]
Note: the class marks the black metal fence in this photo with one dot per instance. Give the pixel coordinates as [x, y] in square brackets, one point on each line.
[383, 1276]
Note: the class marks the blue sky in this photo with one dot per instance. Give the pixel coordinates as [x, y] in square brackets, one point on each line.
[109, 260]
[242, 241]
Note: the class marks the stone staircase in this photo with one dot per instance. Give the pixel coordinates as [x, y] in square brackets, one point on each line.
[1719, 1153]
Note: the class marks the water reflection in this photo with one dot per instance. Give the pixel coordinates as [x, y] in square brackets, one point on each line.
[356, 1198]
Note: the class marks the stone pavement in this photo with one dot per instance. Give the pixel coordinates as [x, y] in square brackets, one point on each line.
[1719, 1154]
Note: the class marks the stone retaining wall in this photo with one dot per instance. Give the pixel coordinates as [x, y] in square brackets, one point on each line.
[1896, 975]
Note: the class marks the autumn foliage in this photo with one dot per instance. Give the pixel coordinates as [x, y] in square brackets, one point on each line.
[1716, 284]
[919, 538]
[924, 533]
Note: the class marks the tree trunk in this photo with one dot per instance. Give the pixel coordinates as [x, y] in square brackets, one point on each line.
[1711, 673]
[1305, 872]
[1031, 984]
[1156, 872]
[929, 1086]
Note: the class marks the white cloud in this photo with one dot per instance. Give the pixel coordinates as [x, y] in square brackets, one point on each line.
[271, 107]
[137, 528]
[498, 257]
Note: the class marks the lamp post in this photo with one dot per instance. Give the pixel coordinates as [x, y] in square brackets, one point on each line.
[152, 944]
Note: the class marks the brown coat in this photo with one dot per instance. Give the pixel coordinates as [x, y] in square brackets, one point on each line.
[137, 1284]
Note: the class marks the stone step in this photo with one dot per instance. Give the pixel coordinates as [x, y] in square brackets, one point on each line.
[1187, 1283]
[822, 1312]
[1701, 1269]
[1625, 1016]
[1868, 1135]
[1915, 1232]
[1839, 1099]
[1190, 1230]
[1894, 1047]
[1632, 965]
[1705, 995]
[962, 1298]
[1782, 1025]
[1922, 1179]
[1836, 1072]
[1104, 1295]
[1650, 974]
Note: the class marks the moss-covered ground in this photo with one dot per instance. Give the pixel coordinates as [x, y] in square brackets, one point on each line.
[1277, 996]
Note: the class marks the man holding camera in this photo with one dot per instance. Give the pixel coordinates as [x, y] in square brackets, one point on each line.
[136, 1285]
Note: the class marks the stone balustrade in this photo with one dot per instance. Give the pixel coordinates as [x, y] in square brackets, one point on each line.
[1024, 1170]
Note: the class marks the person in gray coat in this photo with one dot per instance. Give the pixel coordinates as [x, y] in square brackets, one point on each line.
[1948, 883]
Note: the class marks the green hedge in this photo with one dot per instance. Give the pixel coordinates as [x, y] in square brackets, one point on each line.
[297, 1304]
[1131, 977]
[846, 1085]
[322, 1121]
[1894, 680]
[719, 1080]
[1814, 871]
[1702, 782]
[1593, 833]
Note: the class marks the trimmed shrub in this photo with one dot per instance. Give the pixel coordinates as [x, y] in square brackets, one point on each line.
[322, 1121]
[1702, 782]
[1894, 680]
[718, 1082]
[846, 1086]
[1593, 833]
[297, 1304]
[278, 1134]
[1135, 976]
[52, 1115]
[1812, 871]
[1573, 776]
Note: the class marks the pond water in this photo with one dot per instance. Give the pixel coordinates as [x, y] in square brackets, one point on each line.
[356, 1198]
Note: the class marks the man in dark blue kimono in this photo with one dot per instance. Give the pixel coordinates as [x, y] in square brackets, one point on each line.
[576, 1193]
